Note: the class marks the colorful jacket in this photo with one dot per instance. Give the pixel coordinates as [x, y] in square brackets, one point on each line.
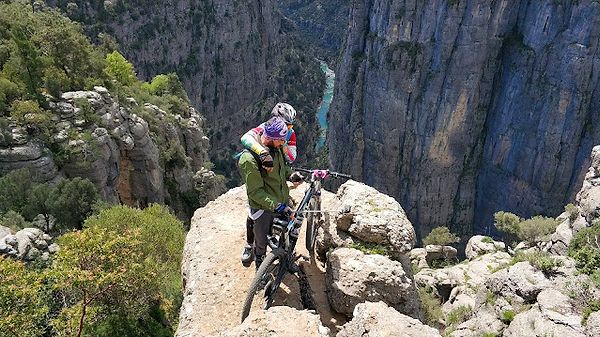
[265, 189]
[251, 141]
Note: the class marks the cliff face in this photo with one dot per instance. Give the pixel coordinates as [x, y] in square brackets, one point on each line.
[231, 56]
[462, 108]
[320, 24]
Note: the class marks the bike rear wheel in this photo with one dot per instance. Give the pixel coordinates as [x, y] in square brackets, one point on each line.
[264, 285]
[312, 223]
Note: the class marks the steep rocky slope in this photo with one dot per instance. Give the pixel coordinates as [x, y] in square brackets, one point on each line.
[319, 24]
[232, 57]
[526, 290]
[462, 108]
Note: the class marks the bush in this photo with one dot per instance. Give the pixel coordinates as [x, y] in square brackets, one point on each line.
[14, 221]
[370, 248]
[536, 229]
[440, 236]
[573, 211]
[120, 69]
[542, 261]
[29, 114]
[585, 249]
[23, 300]
[14, 189]
[508, 316]
[459, 315]
[71, 202]
[592, 307]
[163, 237]
[432, 307]
[507, 222]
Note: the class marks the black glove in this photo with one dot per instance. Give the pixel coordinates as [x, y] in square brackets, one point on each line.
[296, 177]
[266, 160]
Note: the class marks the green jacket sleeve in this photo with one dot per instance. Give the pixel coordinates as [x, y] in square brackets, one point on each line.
[254, 183]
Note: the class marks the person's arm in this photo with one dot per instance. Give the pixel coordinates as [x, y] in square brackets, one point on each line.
[254, 184]
[290, 148]
[251, 140]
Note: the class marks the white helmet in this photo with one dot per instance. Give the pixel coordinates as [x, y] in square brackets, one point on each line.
[285, 111]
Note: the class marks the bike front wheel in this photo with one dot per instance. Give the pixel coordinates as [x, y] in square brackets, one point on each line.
[312, 223]
[264, 285]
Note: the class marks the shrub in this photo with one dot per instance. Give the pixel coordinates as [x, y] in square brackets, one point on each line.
[440, 236]
[542, 261]
[14, 221]
[508, 316]
[71, 202]
[29, 114]
[573, 211]
[487, 239]
[23, 300]
[370, 248]
[432, 307]
[119, 68]
[459, 315]
[592, 306]
[14, 189]
[507, 222]
[536, 229]
[585, 249]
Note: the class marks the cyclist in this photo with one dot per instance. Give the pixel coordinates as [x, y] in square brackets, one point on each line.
[251, 141]
[267, 190]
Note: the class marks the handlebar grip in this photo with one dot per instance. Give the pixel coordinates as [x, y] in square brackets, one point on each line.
[334, 174]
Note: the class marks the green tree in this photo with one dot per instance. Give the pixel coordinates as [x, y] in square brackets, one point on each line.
[163, 237]
[120, 69]
[14, 221]
[100, 273]
[507, 222]
[9, 91]
[71, 202]
[28, 113]
[14, 189]
[536, 229]
[23, 300]
[440, 236]
[585, 249]
[38, 202]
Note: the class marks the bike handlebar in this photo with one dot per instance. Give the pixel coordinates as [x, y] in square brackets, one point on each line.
[331, 173]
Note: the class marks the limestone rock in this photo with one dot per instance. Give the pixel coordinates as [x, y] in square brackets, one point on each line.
[379, 320]
[588, 198]
[592, 328]
[366, 215]
[279, 321]
[353, 278]
[553, 315]
[521, 282]
[479, 245]
[4, 231]
[482, 323]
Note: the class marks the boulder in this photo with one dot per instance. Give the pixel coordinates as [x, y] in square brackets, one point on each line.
[280, 321]
[366, 215]
[592, 328]
[353, 278]
[4, 231]
[479, 245]
[481, 324]
[379, 320]
[521, 282]
[553, 315]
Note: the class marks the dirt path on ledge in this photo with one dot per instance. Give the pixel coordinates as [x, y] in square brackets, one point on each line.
[216, 281]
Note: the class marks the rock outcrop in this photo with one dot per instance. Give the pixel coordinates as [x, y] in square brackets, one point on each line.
[361, 214]
[379, 320]
[124, 153]
[462, 108]
[28, 244]
[353, 278]
[278, 321]
[479, 245]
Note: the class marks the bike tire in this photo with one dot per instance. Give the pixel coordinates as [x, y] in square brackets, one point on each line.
[312, 223]
[268, 269]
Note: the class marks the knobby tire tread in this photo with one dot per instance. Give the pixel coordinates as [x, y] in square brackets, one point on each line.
[270, 259]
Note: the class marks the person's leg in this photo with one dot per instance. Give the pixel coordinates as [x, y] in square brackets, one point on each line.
[262, 225]
[247, 256]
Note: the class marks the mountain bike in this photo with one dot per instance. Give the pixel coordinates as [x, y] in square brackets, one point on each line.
[282, 241]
